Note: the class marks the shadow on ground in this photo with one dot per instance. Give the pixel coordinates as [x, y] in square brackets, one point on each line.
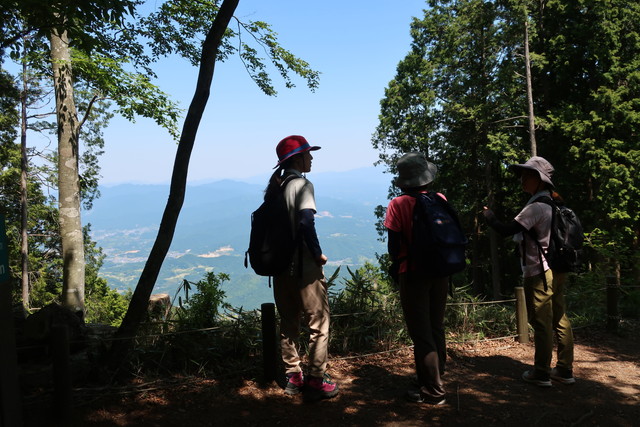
[482, 380]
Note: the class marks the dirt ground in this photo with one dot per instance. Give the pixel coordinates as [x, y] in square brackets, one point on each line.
[483, 384]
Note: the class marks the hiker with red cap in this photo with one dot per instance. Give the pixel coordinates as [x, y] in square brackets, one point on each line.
[301, 291]
[544, 288]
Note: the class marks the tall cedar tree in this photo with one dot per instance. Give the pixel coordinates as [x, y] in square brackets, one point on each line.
[457, 97]
[589, 88]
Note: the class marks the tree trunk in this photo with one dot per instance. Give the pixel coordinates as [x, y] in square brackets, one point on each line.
[68, 178]
[493, 239]
[140, 299]
[527, 60]
[24, 164]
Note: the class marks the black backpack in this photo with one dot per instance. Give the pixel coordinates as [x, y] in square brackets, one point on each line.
[438, 242]
[565, 243]
[272, 241]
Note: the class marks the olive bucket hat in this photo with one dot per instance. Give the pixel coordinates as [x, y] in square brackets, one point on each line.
[414, 170]
[538, 164]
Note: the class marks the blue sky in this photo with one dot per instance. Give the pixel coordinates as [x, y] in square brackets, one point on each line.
[356, 45]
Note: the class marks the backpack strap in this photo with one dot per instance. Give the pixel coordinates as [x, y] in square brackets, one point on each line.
[283, 185]
[532, 233]
[435, 196]
[540, 255]
[299, 239]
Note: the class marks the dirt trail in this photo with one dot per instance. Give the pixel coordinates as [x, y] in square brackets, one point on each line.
[482, 382]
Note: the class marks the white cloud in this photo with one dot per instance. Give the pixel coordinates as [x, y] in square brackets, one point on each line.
[324, 214]
[225, 250]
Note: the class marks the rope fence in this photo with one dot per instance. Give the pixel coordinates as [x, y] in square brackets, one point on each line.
[229, 328]
[340, 315]
[60, 344]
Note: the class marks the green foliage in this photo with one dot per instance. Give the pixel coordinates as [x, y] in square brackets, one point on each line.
[586, 297]
[459, 96]
[365, 317]
[102, 304]
[366, 314]
[9, 99]
[112, 49]
[201, 309]
[133, 92]
[45, 263]
[630, 303]
[456, 98]
[469, 317]
[178, 26]
[41, 215]
[202, 335]
[105, 305]
[281, 59]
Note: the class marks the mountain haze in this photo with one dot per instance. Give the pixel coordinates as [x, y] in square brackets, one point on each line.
[213, 229]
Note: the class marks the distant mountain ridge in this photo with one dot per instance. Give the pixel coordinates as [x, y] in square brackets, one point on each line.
[213, 230]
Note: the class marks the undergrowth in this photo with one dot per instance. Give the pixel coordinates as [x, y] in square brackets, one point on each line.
[203, 335]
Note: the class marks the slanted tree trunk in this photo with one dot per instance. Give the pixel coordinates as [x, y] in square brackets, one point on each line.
[68, 178]
[140, 299]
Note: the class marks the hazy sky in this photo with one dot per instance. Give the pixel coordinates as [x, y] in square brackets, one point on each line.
[356, 45]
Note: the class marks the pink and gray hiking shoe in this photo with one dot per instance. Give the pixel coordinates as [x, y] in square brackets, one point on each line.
[295, 383]
[319, 388]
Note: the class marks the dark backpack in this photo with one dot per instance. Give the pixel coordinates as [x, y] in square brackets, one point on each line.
[438, 242]
[272, 241]
[565, 243]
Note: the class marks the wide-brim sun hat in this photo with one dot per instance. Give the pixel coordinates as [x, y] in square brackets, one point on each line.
[538, 164]
[292, 145]
[414, 170]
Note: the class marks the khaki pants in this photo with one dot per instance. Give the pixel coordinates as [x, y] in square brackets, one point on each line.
[297, 298]
[547, 314]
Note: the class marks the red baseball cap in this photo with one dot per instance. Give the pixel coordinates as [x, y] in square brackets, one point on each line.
[292, 145]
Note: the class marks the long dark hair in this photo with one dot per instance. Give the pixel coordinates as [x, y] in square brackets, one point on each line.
[274, 183]
[557, 197]
[277, 177]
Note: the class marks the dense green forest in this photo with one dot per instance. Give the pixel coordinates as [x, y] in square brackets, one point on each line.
[461, 96]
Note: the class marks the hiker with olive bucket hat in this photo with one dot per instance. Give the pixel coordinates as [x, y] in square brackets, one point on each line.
[423, 291]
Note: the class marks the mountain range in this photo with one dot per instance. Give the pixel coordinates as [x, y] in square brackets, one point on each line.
[213, 229]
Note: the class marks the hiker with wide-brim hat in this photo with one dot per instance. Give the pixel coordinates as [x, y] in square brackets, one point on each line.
[300, 292]
[423, 298]
[544, 289]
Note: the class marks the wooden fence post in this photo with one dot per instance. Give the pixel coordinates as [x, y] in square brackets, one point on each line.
[268, 341]
[61, 371]
[521, 316]
[613, 316]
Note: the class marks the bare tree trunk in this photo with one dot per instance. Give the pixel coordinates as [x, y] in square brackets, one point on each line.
[635, 261]
[24, 164]
[493, 240]
[68, 179]
[527, 60]
[140, 299]
[476, 277]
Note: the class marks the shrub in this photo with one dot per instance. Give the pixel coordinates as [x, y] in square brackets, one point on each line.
[366, 314]
[203, 334]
